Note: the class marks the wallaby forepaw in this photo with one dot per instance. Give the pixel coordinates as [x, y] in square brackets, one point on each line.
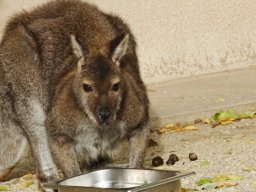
[42, 189]
[49, 175]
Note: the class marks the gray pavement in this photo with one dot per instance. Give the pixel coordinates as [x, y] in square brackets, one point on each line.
[228, 150]
[223, 150]
[194, 96]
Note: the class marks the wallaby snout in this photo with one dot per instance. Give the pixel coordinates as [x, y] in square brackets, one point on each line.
[104, 114]
[104, 110]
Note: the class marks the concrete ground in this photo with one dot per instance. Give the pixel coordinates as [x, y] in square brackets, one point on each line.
[192, 97]
[223, 150]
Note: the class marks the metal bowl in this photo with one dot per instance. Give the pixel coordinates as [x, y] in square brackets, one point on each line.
[122, 180]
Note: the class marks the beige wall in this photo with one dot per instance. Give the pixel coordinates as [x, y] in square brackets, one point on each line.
[179, 38]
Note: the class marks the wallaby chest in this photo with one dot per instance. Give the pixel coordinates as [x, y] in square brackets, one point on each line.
[92, 142]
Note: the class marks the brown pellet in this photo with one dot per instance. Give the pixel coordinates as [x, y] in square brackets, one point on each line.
[157, 161]
[192, 156]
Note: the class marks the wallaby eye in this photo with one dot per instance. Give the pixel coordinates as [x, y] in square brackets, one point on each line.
[116, 87]
[87, 88]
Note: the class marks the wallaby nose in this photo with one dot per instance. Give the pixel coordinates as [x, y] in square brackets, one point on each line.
[104, 114]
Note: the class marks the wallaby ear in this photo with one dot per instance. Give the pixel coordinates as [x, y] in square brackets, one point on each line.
[77, 50]
[118, 47]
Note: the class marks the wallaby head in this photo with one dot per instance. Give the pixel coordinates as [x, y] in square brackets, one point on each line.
[98, 84]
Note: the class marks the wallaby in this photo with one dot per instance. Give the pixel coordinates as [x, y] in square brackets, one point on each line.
[70, 89]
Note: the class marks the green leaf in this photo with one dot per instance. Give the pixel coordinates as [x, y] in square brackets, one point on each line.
[226, 177]
[4, 188]
[209, 186]
[216, 116]
[204, 163]
[232, 114]
[27, 183]
[226, 117]
[248, 115]
[226, 184]
[204, 181]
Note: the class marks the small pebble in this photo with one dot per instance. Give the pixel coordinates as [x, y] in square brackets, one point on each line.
[157, 161]
[192, 156]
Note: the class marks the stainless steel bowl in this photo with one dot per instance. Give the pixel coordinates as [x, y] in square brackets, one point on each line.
[122, 180]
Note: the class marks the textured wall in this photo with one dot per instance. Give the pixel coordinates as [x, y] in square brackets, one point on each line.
[179, 38]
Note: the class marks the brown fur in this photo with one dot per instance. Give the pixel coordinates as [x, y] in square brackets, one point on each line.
[41, 87]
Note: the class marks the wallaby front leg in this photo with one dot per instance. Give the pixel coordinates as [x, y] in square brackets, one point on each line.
[46, 168]
[32, 118]
[138, 144]
[64, 153]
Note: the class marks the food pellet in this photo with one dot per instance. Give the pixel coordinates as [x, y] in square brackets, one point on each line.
[170, 162]
[172, 159]
[157, 161]
[192, 156]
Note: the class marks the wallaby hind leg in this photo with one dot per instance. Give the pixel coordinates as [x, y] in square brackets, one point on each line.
[13, 146]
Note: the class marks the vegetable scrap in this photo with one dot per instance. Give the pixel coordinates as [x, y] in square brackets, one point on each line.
[219, 181]
[27, 183]
[219, 118]
[204, 163]
[226, 184]
[4, 187]
[204, 181]
[226, 117]
[230, 116]
[206, 121]
[28, 176]
[176, 128]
